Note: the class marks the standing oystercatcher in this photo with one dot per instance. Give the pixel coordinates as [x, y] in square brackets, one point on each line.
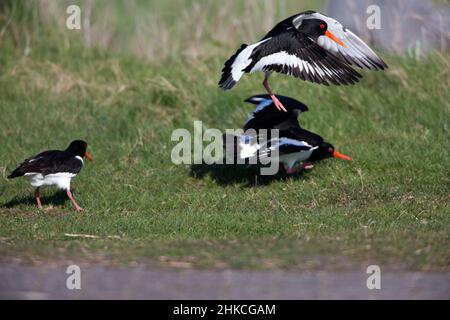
[267, 117]
[293, 145]
[309, 46]
[54, 167]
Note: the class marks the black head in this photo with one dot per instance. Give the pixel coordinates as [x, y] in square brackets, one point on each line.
[314, 25]
[313, 28]
[78, 147]
[326, 150]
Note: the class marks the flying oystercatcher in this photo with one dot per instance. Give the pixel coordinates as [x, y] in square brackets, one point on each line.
[54, 167]
[309, 46]
[267, 117]
[293, 145]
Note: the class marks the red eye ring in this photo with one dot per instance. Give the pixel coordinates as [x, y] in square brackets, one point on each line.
[322, 26]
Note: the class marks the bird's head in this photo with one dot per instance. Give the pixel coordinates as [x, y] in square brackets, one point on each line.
[327, 150]
[314, 27]
[78, 147]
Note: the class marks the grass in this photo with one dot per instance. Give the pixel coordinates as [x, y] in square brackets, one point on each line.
[390, 206]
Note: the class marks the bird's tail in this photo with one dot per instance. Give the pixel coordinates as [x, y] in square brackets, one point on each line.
[16, 173]
[233, 68]
[240, 147]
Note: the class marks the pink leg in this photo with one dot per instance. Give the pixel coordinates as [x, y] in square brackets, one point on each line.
[303, 166]
[275, 100]
[77, 207]
[38, 200]
[289, 170]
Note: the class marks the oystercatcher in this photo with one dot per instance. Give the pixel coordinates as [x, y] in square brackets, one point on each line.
[309, 46]
[54, 167]
[267, 117]
[293, 145]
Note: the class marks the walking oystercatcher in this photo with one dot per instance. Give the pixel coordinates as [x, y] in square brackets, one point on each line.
[267, 117]
[309, 46]
[293, 145]
[54, 167]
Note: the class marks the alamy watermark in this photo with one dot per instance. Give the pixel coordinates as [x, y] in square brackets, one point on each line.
[374, 20]
[374, 280]
[233, 146]
[73, 21]
[73, 281]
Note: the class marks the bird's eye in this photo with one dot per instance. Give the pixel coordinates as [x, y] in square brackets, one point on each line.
[322, 26]
[330, 150]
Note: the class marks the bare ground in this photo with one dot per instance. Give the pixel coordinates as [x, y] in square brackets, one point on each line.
[144, 282]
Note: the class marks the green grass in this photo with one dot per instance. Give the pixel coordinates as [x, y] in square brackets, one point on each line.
[391, 205]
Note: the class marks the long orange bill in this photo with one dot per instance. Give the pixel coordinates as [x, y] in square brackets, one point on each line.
[88, 156]
[335, 39]
[341, 156]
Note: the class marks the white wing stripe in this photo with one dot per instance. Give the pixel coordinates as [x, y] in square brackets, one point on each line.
[243, 60]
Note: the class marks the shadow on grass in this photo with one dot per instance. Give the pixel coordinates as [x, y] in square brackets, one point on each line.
[247, 175]
[57, 199]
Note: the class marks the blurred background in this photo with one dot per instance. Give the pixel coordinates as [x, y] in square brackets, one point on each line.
[160, 29]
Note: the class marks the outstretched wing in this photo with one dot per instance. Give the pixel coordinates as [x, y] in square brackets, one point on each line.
[294, 54]
[356, 51]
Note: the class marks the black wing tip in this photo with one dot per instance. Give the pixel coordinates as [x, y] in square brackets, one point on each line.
[382, 65]
[226, 81]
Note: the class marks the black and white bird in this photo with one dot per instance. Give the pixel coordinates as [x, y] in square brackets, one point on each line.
[265, 116]
[54, 167]
[296, 149]
[309, 46]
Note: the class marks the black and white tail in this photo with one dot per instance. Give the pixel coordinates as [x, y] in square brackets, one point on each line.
[16, 173]
[235, 67]
[227, 81]
[240, 147]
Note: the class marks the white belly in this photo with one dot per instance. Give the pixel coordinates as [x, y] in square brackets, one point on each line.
[290, 159]
[61, 180]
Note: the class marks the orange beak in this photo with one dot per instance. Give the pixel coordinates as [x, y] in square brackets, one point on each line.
[341, 156]
[88, 156]
[335, 39]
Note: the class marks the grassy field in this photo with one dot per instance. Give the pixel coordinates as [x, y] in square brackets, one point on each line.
[390, 206]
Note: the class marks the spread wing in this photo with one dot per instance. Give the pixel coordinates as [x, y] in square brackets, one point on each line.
[294, 54]
[356, 51]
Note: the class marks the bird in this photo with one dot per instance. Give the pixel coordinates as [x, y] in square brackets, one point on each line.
[54, 167]
[266, 117]
[310, 46]
[293, 145]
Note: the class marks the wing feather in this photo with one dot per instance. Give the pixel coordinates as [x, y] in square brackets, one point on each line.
[357, 51]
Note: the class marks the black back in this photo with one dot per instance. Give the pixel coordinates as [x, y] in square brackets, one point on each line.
[270, 118]
[301, 134]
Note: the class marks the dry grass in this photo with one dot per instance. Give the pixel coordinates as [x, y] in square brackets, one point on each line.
[159, 30]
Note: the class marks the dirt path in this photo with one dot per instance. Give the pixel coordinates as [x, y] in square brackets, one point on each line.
[98, 282]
